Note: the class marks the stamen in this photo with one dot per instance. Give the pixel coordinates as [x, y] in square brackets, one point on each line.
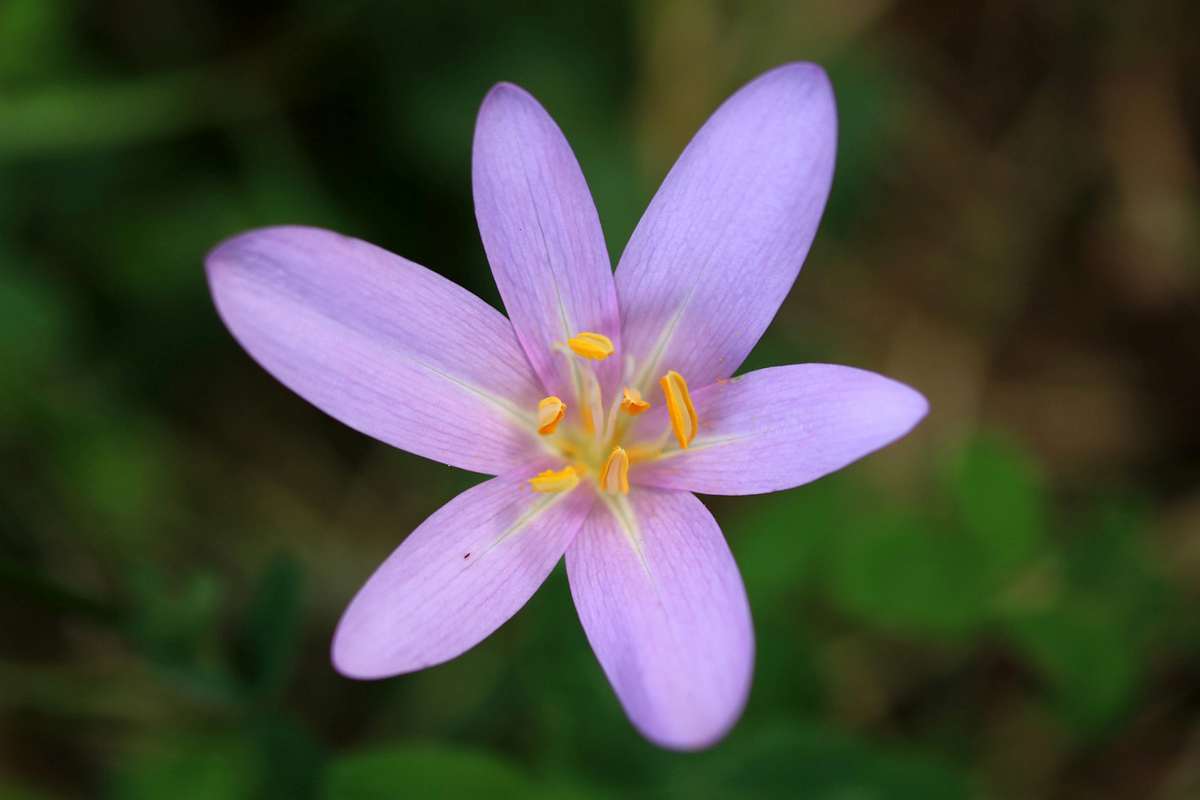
[551, 411]
[614, 477]
[648, 451]
[594, 402]
[551, 482]
[595, 346]
[632, 402]
[679, 407]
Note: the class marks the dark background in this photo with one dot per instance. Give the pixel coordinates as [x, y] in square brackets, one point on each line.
[1004, 604]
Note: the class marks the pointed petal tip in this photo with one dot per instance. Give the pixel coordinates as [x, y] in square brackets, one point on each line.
[355, 330]
[354, 656]
[541, 233]
[781, 427]
[458, 577]
[920, 404]
[807, 74]
[503, 95]
[803, 70]
[909, 406]
[501, 88]
[231, 256]
[346, 661]
[810, 85]
[741, 206]
[224, 253]
[687, 742]
[233, 242]
[693, 740]
[230, 253]
[668, 619]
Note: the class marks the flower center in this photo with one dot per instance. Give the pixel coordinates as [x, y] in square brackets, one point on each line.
[590, 440]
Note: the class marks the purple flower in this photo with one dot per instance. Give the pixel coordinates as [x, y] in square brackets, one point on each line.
[600, 404]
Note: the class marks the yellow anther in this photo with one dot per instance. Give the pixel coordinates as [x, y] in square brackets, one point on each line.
[614, 477]
[679, 407]
[632, 402]
[551, 410]
[551, 482]
[595, 346]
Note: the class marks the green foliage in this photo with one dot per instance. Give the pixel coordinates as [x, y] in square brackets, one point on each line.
[15, 793]
[35, 332]
[999, 505]
[1090, 665]
[424, 771]
[120, 472]
[939, 574]
[271, 629]
[178, 533]
[786, 761]
[902, 574]
[172, 621]
[1092, 640]
[34, 39]
[266, 758]
[206, 768]
[1084, 614]
[873, 102]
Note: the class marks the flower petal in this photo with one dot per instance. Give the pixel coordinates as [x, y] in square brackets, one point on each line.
[776, 428]
[380, 343]
[460, 575]
[664, 608]
[542, 234]
[723, 239]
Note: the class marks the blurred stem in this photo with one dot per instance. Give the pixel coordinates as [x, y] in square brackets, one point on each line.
[88, 116]
[69, 117]
[20, 580]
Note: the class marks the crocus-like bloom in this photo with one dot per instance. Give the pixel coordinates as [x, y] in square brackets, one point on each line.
[600, 404]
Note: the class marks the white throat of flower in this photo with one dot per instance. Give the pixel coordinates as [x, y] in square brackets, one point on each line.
[589, 440]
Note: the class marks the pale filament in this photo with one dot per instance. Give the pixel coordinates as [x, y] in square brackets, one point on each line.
[593, 445]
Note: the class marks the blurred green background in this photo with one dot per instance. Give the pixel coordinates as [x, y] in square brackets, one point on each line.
[1004, 604]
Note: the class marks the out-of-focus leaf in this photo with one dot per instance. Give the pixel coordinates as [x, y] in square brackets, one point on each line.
[777, 539]
[1107, 563]
[872, 105]
[556, 681]
[68, 117]
[33, 38]
[292, 761]
[795, 760]
[189, 769]
[1000, 503]
[424, 771]
[120, 469]
[35, 331]
[271, 630]
[1090, 664]
[60, 118]
[900, 573]
[10, 791]
[1092, 640]
[29, 585]
[154, 253]
[173, 622]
